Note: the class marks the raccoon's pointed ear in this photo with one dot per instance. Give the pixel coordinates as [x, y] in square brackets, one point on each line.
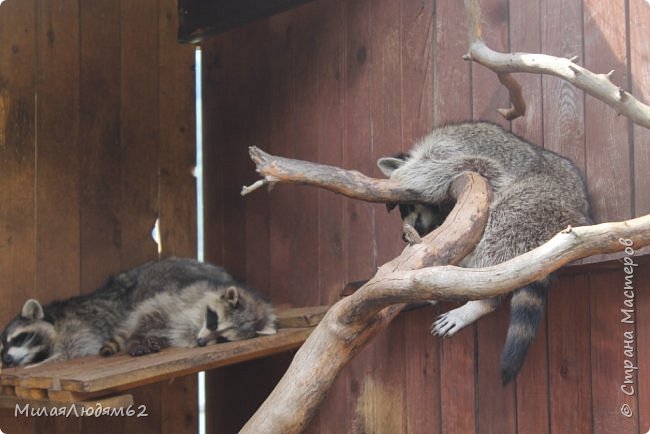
[388, 165]
[32, 309]
[232, 296]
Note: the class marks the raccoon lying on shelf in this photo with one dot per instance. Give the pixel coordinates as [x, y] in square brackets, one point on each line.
[198, 314]
[537, 193]
[80, 325]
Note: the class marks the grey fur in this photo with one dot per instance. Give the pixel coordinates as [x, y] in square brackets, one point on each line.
[180, 318]
[79, 326]
[537, 193]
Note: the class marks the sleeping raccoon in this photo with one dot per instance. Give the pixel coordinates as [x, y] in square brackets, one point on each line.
[201, 313]
[80, 325]
[537, 193]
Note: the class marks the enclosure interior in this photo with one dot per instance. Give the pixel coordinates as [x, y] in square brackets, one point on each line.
[97, 142]
[345, 82]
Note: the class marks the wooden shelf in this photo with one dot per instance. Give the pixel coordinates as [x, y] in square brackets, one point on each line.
[94, 380]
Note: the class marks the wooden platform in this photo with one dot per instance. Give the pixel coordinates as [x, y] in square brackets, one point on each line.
[95, 380]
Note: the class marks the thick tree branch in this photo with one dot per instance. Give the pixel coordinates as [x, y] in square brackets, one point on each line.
[346, 182]
[416, 275]
[355, 320]
[454, 283]
[597, 85]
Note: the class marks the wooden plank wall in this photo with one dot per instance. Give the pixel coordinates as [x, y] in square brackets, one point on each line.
[96, 141]
[343, 82]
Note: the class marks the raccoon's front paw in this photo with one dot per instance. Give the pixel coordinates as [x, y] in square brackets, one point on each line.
[138, 350]
[155, 344]
[137, 347]
[448, 324]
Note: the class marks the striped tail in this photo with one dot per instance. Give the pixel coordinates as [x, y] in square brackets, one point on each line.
[113, 346]
[526, 310]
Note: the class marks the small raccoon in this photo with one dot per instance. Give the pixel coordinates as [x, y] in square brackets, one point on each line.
[80, 325]
[200, 314]
[66, 329]
[537, 193]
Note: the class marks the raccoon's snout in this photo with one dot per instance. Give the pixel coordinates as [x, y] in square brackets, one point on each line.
[201, 342]
[7, 360]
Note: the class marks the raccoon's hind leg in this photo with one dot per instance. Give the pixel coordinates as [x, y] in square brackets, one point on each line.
[451, 322]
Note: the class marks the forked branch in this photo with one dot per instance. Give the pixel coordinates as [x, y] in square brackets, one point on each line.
[355, 320]
[597, 85]
[418, 274]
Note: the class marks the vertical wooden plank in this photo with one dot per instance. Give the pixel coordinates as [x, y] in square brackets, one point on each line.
[306, 30]
[177, 191]
[100, 155]
[281, 142]
[453, 103]
[608, 359]
[639, 24]
[139, 130]
[487, 93]
[531, 387]
[57, 174]
[387, 400]
[241, 85]
[608, 153]
[642, 344]
[421, 369]
[100, 159]
[569, 355]
[215, 183]
[564, 128]
[139, 142]
[331, 208]
[359, 223]
[329, 125]
[17, 157]
[496, 412]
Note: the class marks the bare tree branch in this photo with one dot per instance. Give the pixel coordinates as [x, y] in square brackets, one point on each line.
[597, 85]
[416, 275]
[346, 182]
[355, 320]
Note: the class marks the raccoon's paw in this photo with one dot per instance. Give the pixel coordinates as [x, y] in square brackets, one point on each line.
[447, 324]
[138, 350]
[155, 344]
[451, 322]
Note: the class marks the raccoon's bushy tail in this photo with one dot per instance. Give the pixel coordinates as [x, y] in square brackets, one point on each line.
[526, 310]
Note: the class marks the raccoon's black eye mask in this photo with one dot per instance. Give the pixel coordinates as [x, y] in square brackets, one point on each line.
[21, 338]
[211, 319]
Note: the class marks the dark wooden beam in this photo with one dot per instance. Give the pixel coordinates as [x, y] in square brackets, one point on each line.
[200, 18]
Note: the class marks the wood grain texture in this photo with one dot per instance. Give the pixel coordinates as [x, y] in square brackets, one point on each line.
[57, 174]
[177, 192]
[569, 355]
[642, 300]
[124, 372]
[608, 335]
[453, 103]
[17, 166]
[639, 28]
[607, 147]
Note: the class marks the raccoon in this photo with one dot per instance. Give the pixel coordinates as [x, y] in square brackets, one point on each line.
[537, 193]
[80, 325]
[201, 313]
